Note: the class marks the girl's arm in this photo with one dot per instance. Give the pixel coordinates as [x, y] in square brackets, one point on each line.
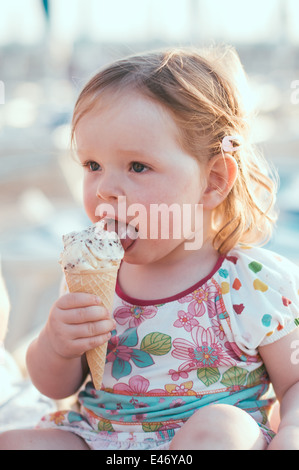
[282, 363]
[52, 374]
[287, 437]
[56, 359]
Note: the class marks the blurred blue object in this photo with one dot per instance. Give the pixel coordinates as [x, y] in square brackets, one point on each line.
[285, 237]
[46, 7]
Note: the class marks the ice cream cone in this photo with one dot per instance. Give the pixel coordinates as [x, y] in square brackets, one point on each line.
[101, 283]
[90, 261]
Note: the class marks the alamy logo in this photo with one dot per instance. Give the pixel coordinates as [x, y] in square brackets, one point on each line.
[2, 92]
[295, 354]
[157, 221]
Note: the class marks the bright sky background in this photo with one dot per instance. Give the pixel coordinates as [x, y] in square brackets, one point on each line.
[169, 20]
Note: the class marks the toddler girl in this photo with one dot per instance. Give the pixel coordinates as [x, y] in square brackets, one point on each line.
[204, 321]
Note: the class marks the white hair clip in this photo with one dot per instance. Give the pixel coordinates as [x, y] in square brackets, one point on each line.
[227, 143]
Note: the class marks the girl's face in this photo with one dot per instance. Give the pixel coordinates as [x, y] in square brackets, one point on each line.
[130, 153]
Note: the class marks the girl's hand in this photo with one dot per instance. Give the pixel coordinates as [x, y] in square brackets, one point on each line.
[77, 323]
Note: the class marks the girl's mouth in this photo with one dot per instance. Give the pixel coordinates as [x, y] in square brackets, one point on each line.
[127, 233]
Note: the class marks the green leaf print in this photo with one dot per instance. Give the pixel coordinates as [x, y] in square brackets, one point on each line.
[151, 427]
[156, 343]
[234, 376]
[208, 375]
[255, 376]
[105, 425]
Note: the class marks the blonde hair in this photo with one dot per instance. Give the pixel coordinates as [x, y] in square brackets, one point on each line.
[203, 92]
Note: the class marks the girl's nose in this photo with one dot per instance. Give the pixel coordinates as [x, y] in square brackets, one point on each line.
[109, 186]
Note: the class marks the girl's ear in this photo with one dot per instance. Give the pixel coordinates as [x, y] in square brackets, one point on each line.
[221, 175]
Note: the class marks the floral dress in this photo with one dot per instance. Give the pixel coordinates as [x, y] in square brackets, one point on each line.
[169, 357]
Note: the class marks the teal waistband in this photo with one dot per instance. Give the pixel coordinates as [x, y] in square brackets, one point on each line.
[127, 408]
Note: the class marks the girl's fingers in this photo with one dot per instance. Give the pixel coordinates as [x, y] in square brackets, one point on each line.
[85, 314]
[78, 323]
[91, 329]
[82, 345]
[78, 300]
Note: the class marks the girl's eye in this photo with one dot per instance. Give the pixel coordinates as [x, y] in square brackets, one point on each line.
[138, 167]
[92, 166]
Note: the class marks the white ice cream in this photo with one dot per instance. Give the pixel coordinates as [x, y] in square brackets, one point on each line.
[91, 249]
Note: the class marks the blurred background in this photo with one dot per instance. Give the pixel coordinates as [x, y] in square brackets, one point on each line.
[49, 49]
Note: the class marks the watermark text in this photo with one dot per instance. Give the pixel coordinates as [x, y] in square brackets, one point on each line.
[295, 353]
[156, 221]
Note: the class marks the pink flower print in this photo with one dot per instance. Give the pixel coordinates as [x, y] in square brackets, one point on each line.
[238, 354]
[218, 328]
[113, 412]
[139, 416]
[201, 299]
[177, 403]
[134, 315]
[120, 352]
[175, 375]
[186, 320]
[138, 385]
[205, 351]
[133, 401]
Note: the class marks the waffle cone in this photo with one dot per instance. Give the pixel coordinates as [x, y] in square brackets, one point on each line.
[101, 283]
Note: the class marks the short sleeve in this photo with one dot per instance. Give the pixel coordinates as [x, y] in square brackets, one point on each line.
[261, 297]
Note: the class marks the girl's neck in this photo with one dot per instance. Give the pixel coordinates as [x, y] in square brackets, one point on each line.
[168, 278]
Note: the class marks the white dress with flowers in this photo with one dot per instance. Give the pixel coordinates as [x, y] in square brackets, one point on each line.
[169, 357]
